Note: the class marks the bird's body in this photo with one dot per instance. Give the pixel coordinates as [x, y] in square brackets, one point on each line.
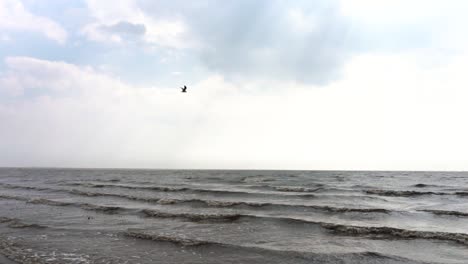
[184, 89]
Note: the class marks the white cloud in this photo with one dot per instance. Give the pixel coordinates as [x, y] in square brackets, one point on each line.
[241, 40]
[387, 112]
[13, 16]
[300, 22]
[102, 121]
[5, 38]
[402, 25]
[401, 11]
[26, 73]
[163, 32]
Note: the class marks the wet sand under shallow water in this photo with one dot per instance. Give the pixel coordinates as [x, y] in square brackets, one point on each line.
[155, 216]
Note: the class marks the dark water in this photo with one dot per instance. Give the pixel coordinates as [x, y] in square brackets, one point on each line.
[157, 216]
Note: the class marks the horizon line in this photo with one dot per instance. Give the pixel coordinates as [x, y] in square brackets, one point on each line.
[220, 169]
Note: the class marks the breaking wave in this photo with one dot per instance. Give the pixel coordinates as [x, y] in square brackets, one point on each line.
[167, 238]
[12, 186]
[219, 203]
[48, 202]
[404, 193]
[443, 212]
[100, 208]
[16, 223]
[184, 241]
[423, 185]
[84, 206]
[294, 189]
[277, 190]
[375, 232]
[383, 232]
[131, 187]
[411, 193]
[193, 217]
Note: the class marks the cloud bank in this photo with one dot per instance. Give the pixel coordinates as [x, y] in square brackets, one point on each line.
[304, 41]
[67, 115]
[14, 16]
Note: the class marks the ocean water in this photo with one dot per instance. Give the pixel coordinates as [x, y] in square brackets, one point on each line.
[195, 216]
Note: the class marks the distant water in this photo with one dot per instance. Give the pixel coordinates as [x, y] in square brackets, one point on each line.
[168, 216]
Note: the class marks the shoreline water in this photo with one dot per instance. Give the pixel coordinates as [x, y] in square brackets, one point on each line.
[113, 216]
[5, 260]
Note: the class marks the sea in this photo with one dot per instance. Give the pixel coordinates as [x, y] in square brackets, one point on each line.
[119, 216]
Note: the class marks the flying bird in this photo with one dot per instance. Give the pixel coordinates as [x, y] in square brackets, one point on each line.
[184, 89]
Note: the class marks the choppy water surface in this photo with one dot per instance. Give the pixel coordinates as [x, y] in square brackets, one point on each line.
[165, 216]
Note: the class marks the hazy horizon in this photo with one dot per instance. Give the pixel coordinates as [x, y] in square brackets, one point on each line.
[217, 169]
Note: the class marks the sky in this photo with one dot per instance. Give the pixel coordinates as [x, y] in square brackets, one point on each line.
[273, 84]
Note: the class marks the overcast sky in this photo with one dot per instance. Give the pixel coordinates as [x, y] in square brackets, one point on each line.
[273, 84]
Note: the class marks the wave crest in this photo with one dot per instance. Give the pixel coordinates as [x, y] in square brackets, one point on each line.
[380, 232]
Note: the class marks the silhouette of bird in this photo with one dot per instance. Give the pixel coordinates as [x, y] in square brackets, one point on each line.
[184, 89]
